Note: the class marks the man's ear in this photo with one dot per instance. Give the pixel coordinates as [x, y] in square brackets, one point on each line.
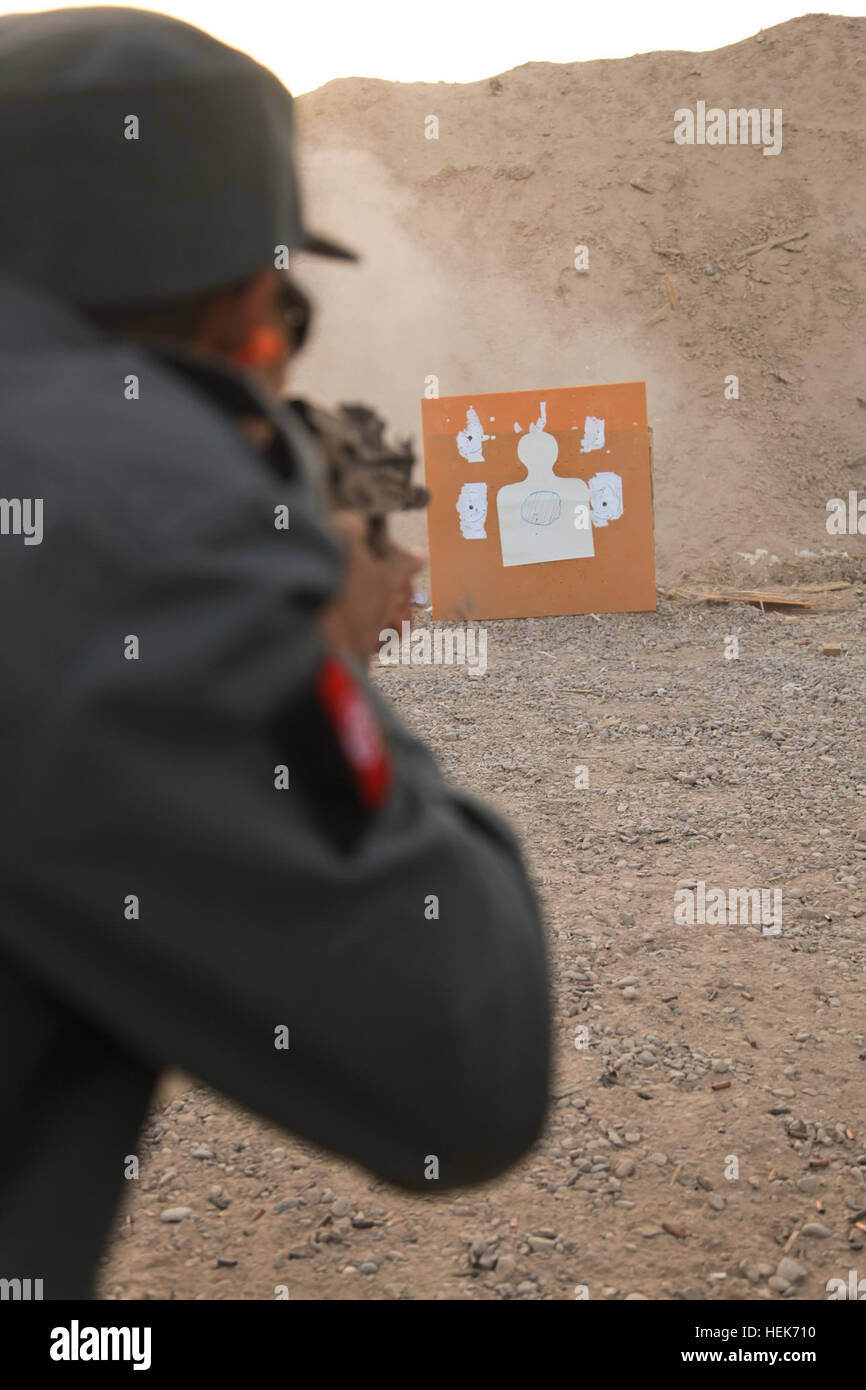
[233, 318]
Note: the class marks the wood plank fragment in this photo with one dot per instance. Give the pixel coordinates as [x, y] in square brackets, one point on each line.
[744, 596]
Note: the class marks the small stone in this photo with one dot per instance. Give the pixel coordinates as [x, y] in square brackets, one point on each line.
[341, 1207]
[174, 1214]
[629, 992]
[750, 1270]
[287, 1204]
[625, 1169]
[540, 1245]
[716, 1202]
[816, 1230]
[778, 1284]
[790, 1271]
[202, 1151]
[658, 1158]
[370, 1267]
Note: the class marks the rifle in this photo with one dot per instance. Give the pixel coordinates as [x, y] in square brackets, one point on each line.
[363, 473]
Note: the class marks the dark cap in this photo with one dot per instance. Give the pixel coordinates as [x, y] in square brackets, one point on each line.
[141, 159]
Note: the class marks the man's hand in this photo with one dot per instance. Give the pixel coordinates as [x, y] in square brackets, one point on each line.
[376, 592]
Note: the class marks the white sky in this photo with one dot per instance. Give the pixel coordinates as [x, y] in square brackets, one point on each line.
[308, 42]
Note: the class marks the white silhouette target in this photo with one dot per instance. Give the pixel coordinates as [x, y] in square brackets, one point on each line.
[545, 517]
[536, 517]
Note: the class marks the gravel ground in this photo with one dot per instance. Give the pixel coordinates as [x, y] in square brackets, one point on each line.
[706, 1136]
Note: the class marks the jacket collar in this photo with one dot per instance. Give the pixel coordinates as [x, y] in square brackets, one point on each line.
[32, 320]
[234, 395]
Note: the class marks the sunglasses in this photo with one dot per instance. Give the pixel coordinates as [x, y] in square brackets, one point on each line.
[297, 312]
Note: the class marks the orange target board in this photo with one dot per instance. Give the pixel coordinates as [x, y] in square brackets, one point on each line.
[541, 502]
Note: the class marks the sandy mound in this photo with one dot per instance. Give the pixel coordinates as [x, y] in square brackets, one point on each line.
[468, 244]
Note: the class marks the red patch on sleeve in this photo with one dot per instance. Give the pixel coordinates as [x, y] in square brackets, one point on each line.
[358, 731]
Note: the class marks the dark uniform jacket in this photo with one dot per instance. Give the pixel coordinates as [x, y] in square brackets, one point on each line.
[164, 898]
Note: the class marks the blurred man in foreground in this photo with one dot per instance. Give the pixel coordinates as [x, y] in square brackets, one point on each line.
[220, 850]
